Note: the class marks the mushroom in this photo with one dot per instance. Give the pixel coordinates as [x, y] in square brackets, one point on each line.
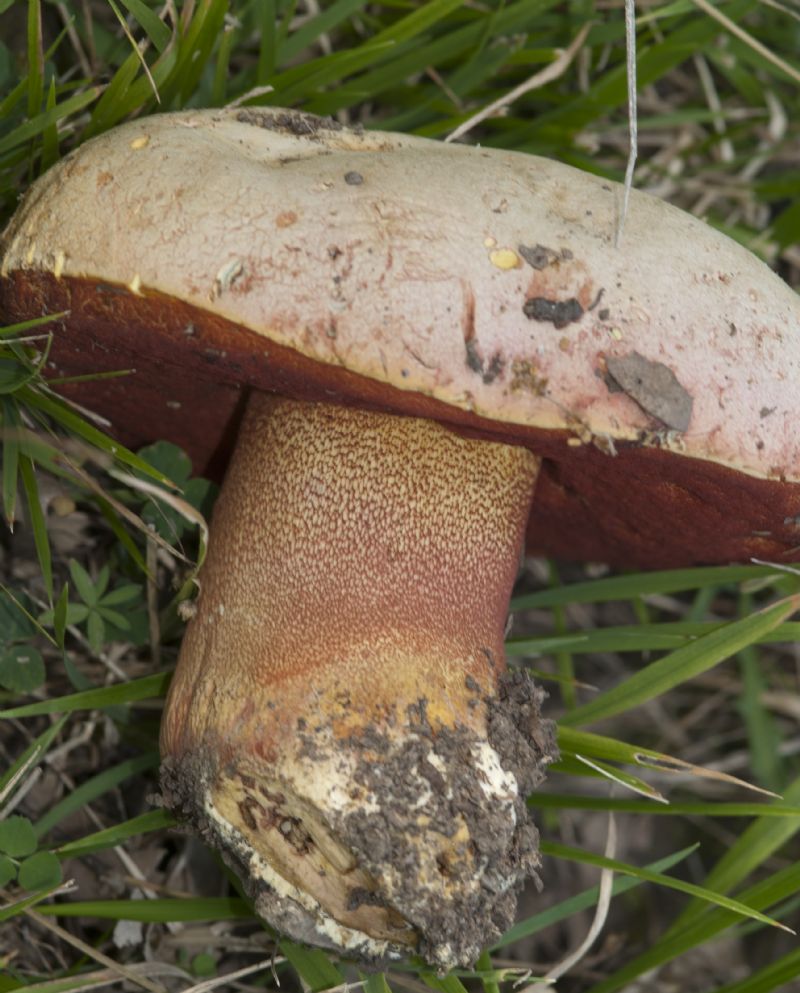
[402, 335]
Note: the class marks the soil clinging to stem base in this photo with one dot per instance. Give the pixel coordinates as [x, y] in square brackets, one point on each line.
[439, 834]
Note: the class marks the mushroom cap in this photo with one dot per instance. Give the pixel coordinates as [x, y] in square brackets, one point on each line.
[211, 250]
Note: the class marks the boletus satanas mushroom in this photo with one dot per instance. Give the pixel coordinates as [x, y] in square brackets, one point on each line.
[402, 334]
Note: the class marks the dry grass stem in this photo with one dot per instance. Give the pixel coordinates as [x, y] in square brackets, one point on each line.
[748, 39]
[21, 793]
[122, 971]
[598, 922]
[546, 75]
[219, 981]
[109, 977]
[726, 151]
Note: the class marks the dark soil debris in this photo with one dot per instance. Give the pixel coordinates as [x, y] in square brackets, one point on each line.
[517, 731]
[526, 376]
[496, 366]
[360, 896]
[292, 121]
[505, 852]
[435, 770]
[540, 256]
[559, 313]
[475, 362]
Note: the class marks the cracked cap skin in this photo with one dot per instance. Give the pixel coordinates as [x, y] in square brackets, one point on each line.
[659, 380]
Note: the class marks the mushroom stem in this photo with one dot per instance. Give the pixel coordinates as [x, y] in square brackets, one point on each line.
[336, 723]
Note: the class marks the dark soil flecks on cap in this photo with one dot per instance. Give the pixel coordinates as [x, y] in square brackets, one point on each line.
[559, 313]
[294, 122]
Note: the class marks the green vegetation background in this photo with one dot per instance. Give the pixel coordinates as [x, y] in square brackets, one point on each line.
[699, 666]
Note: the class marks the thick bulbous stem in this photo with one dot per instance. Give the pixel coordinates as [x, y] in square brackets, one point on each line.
[340, 724]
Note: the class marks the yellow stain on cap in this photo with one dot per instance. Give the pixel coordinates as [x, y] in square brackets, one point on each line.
[141, 142]
[504, 258]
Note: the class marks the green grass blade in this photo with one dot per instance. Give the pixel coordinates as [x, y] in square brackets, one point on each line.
[556, 850]
[658, 636]
[642, 584]
[152, 25]
[193, 52]
[63, 414]
[35, 58]
[50, 133]
[786, 228]
[570, 801]
[549, 644]
[37, 521]
[763, 735]
[92, 788]
[36, 126]
[565, 664]
[35, 322]
[32, 754]
[219, 87]
[146, 688]
[159, 911]
[442, 984]
[268, 28]
[11, 426]
[609, 91]
[14, 98]
[20, 906]
[107, 111]
[60, 616]
[421, 19]
[776, 976]
[395, 66]
[604, 749]
[585, 900]
[324, 22]
[299, 83]
[376, 983]
[313, 966]
[598, 746]
[752, 848]
[36, 626]
[778, 887]
[136, 827]
[683, 664]
[580, 764]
